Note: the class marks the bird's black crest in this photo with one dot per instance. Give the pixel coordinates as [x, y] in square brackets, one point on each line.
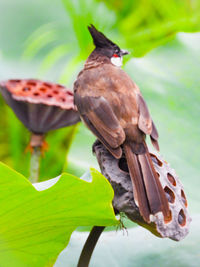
[99, 39]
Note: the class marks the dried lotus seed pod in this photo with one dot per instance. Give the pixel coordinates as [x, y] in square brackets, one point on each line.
[116, 171]
[40, 106]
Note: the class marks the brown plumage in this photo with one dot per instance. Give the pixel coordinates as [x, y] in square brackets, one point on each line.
[112, 107]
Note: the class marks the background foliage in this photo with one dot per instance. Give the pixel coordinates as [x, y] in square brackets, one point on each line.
[49, 40]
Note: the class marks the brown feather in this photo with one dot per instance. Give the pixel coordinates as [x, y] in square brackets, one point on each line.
[164, 205]
[155, 143]
[138, 184]
[147, 188]
[154, 132]
[154, 137]
[144, 122]
[99, 113]
[116, 152]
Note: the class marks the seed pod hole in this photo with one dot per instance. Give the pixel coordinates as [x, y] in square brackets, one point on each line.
[31, 83]
[169, 218]
[171, 179]
[123, 165]
[36, 94]
[47, 85]
[59, 86]
[169, 194]
[49, 96]
[42, 89]
[55, 92]
[183, 197]
[15, 81]
[26, 89]
[158, 175]
[181, 218]
[156, 160]
[69, 93]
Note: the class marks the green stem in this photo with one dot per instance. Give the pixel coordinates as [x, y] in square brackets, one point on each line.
[89, 246]
[35, 164]
[69, 139]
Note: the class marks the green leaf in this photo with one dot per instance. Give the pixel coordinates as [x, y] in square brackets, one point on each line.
[146, 28]
[38, 43]
[54, 56]
[35, 226]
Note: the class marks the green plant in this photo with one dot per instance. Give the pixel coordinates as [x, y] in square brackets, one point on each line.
[36, 225]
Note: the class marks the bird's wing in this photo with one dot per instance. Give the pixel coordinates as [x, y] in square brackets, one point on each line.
[100, 118]
[145, 123]
[154, 137]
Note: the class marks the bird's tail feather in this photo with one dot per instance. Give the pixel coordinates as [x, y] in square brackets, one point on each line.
[148, 191]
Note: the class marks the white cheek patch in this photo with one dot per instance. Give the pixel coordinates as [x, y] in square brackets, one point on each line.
[117, 61]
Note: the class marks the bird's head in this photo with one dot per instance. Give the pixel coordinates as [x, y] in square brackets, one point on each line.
[106, 47]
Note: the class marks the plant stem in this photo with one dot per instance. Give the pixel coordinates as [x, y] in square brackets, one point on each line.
[69, 139]
[89, 246]
[35, 164]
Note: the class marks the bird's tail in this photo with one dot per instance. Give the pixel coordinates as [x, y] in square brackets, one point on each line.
[148, 192]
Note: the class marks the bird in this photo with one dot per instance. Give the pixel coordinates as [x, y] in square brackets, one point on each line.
[113, 108]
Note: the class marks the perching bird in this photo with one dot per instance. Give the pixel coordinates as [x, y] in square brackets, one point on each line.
[112, 107]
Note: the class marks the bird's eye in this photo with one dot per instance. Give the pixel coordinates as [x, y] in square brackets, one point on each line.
[115, 55]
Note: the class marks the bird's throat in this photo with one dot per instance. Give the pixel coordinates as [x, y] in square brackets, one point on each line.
[117, 61]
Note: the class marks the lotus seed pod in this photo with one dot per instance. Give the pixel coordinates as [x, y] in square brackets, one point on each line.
[41, 106]
[116, 171]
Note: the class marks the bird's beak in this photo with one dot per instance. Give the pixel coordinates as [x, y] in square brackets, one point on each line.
[124, 52]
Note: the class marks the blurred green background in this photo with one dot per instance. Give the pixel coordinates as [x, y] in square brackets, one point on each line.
[49, 40]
